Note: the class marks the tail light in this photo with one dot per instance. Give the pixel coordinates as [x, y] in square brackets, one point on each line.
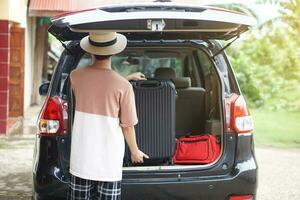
[241, 197]
[238, 117]
[53, 117]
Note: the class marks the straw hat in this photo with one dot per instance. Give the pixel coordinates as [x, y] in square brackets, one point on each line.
[108, 43]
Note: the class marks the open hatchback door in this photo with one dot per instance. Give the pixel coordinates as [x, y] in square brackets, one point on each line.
[153, 21]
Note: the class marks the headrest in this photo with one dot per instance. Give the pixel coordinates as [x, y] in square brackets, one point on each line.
[182, 82]
[164, 73]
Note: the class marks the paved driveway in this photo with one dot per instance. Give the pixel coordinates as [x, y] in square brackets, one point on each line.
[279, 174]
[15, 168]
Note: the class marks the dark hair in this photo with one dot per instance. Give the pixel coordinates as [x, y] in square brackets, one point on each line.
[101, 57]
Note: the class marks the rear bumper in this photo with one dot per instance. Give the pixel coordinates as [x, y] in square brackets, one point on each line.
[50, 180]
[242, 180]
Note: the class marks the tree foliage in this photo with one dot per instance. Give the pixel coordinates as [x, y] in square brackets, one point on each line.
[267, 61]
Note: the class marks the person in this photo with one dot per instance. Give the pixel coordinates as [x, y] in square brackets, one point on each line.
[105, 114]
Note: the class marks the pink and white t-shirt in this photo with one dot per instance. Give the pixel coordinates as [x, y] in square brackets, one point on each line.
[104, 103]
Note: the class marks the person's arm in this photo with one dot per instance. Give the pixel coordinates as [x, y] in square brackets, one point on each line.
[128, 118]
[137, 156]
[136, 76]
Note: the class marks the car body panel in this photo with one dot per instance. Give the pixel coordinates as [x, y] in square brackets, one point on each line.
[187, 23]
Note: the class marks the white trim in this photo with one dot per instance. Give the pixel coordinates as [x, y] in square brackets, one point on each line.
[145, 31]
[164, 168]
[245, 134]
[207, 15]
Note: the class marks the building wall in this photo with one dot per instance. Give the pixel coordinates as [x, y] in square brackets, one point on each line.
[4, 64]
[27, 23]
[8, 10]
[18, 11]
[4, 10]
[4, 73]
[29, 56]
[13, 11]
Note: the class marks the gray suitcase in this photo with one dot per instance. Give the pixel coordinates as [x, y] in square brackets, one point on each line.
[155, 131]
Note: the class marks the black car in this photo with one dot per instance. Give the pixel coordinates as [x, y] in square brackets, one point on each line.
[183, 39]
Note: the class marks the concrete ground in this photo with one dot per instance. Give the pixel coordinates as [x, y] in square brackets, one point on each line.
[16, 152]
[279, 174]
[279, 169]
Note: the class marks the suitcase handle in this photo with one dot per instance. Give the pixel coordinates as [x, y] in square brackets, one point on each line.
[148, 83]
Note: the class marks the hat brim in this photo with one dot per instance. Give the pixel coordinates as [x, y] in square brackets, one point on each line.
[116, 48]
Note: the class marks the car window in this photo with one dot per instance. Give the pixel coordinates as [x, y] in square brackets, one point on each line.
[184, 61]
[126, 65]
[222, 66]
[204, 62]
[205, 68]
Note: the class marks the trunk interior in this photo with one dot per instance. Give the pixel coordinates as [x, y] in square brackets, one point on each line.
[197, 105]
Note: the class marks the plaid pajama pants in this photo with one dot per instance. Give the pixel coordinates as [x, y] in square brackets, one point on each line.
[82, 189]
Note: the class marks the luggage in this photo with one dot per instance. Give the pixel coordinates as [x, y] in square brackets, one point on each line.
[202, 149]
[155, 131]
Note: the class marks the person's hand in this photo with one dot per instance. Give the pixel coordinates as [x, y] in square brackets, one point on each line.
[138, 156]
[136, 76]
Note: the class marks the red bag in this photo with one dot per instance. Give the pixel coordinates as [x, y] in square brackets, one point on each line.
[202, 149]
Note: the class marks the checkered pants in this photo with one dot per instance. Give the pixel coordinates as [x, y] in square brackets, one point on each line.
[82, 189]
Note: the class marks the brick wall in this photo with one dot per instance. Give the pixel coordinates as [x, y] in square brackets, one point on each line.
[4, 74]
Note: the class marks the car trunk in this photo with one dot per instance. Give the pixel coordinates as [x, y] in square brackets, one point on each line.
[205, 115]
[157, 24]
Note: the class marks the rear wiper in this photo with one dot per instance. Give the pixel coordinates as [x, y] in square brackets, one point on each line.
[65, 46]
[227, 45]
[51, 30]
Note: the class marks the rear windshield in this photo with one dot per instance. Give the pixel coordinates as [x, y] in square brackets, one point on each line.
[128, 64]
[185, 61]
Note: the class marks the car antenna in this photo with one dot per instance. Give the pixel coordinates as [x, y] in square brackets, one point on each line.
[227, 45]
